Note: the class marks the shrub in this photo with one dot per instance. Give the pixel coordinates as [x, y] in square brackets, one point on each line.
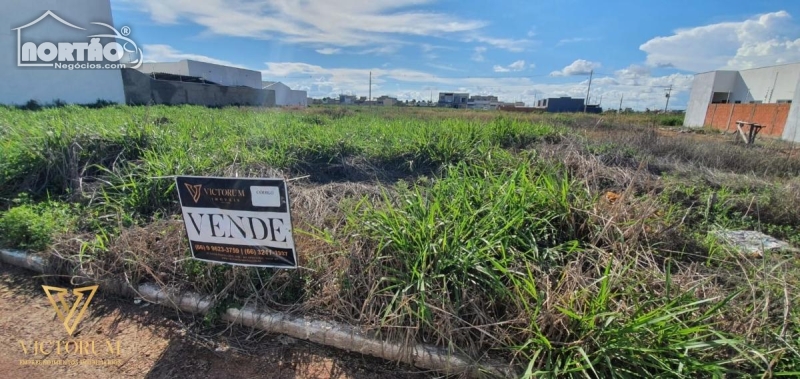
[31, 105]
[34, 226]
[671, 121]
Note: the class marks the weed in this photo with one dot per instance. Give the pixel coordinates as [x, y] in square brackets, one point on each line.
[33, 226]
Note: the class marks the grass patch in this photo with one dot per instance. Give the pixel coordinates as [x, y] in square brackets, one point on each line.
[34, 226]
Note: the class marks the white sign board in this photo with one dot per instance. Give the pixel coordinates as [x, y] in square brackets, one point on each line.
[238, 221]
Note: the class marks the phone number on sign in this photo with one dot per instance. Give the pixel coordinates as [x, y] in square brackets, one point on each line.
[238, 250]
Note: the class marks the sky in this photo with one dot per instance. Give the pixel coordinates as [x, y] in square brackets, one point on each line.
[518, 50]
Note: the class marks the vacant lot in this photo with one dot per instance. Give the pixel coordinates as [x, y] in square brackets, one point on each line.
[565, 245]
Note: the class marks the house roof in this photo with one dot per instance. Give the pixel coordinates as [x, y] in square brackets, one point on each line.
[273, 85]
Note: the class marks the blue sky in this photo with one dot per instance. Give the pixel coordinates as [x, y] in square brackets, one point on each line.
[518, 50]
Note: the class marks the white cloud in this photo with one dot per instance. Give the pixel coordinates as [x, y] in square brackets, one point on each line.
[329, 51]
[579, 67]
[477, 56]
[444, 67]
[333, 23]
[574, 40]
[513, 45]
[166, 53]
[763, 40]
[516, 66]
[382, 50]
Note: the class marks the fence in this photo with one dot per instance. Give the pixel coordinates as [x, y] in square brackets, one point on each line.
[772, 116]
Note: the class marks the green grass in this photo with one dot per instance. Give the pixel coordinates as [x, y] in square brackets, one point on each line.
[33, 226]
[481, 232]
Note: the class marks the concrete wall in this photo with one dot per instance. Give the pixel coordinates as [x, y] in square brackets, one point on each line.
[222, 75]
[725, 81]
[699, 98]
[559, 104]
[225, 75]
[175, 68]
[47, 84]
[792, 130]
[297, 98]
[287, 97]
[768, 84]
[141, 89]
[772, 116]
[282, 93]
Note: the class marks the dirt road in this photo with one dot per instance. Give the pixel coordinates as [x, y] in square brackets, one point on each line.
[155, 343]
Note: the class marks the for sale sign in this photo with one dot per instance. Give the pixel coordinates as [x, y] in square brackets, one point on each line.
[238, 221]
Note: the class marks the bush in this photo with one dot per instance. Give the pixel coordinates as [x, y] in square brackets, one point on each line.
[34, 226]
[671, 121]
[31, 105]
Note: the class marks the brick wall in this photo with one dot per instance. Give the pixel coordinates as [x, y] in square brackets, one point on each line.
[772, 116]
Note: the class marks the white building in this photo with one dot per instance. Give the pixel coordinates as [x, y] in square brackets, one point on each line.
[219, 74]
[24, 21]
[488, 102]
[766, 85]
[285, 96]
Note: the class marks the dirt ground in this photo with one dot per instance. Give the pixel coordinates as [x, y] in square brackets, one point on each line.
[159, 343]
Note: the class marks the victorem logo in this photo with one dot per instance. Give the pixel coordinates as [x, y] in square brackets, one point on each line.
[69, 314]
[194, 190]
[88, 54]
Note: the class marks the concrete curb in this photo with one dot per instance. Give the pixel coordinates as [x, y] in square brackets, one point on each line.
[321, 332]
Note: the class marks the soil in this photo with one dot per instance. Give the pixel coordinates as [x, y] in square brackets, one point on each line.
[156, 342]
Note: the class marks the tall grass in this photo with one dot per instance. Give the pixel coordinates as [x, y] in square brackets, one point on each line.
[491, 234]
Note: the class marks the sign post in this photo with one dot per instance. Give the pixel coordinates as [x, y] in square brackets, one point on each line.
[238, 221]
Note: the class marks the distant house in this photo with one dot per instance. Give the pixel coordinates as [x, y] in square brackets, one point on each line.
[386, 100]
[347, 99]
[453, 99]
[487, 102]
[566, 104]
[285, 96]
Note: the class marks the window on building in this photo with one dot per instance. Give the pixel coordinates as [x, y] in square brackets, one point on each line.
[737, 102]
[784, 101]
[756, 102]
[720, 97]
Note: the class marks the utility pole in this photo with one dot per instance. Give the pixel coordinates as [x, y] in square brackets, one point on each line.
[370, 88]
[620, 102]
[669, 92]
[585, 103]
